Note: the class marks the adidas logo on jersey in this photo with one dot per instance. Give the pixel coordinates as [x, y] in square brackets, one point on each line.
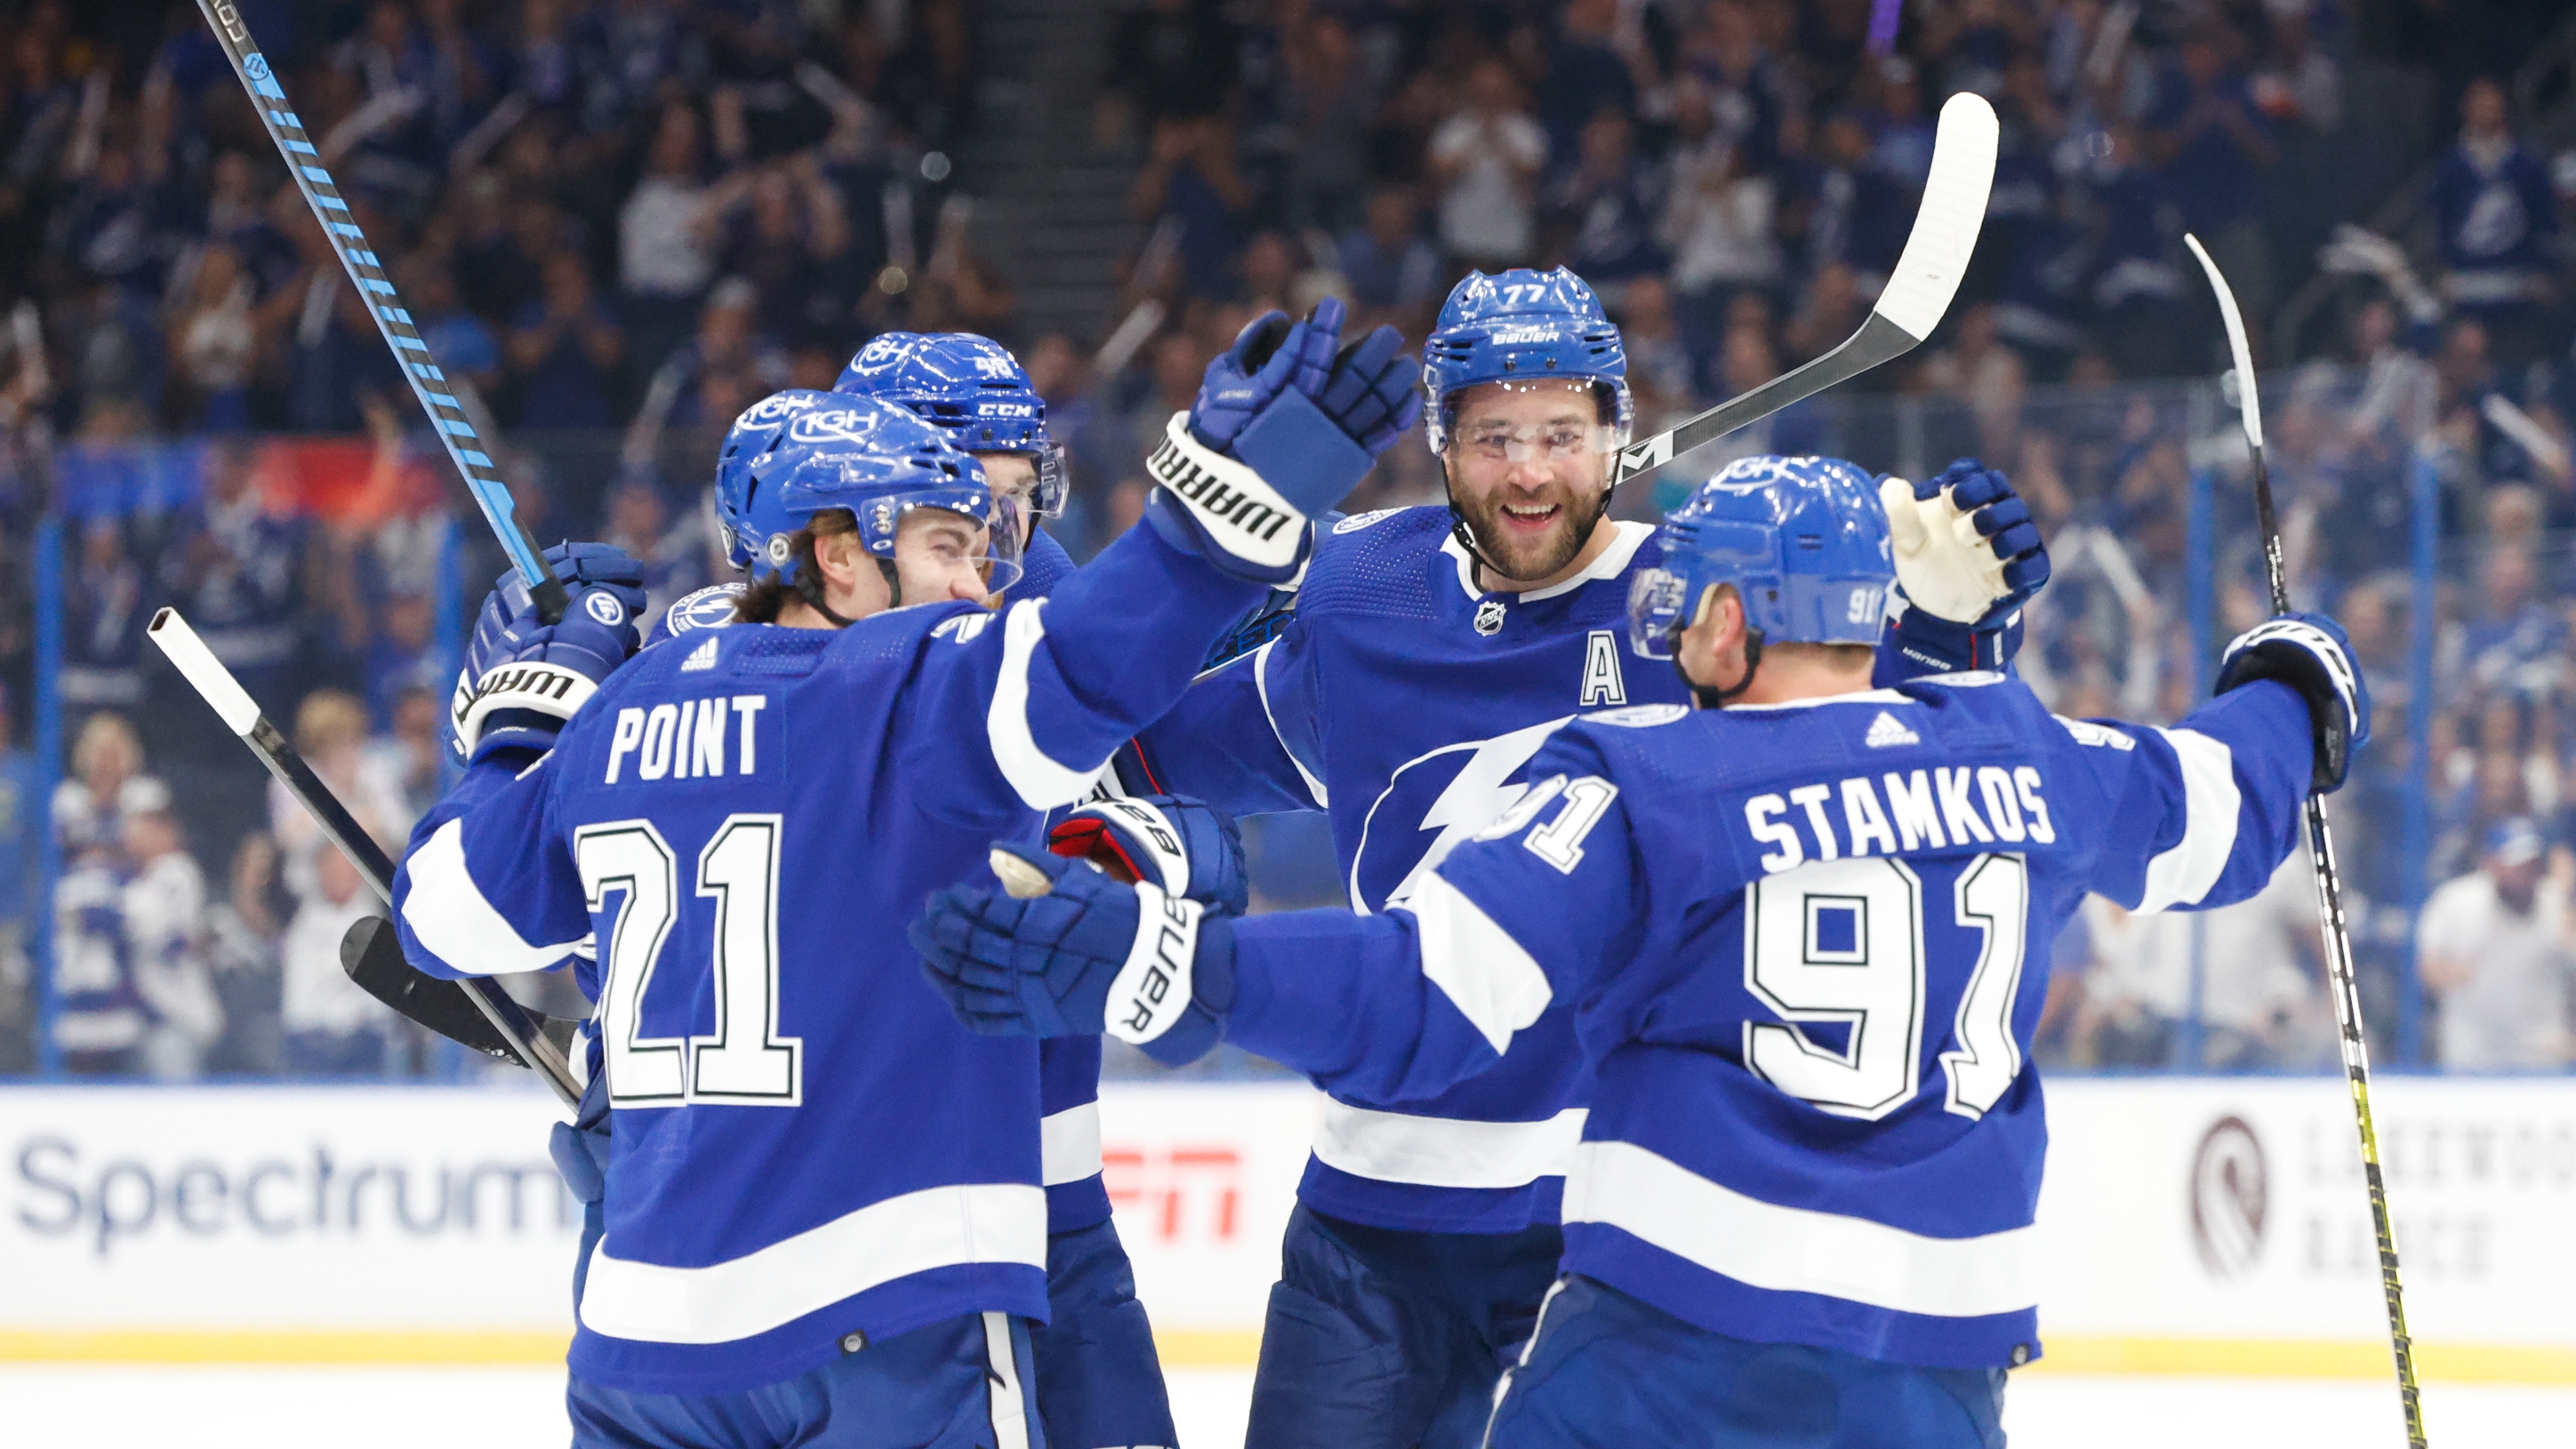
[1886, 732]
[704, 657]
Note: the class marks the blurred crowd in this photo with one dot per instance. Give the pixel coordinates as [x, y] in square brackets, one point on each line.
[622, 220]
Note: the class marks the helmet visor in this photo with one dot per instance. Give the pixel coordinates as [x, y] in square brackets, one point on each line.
[1658, 609]
[988, 542]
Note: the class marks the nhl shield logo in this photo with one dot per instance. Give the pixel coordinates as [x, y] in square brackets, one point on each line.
[1489, 617]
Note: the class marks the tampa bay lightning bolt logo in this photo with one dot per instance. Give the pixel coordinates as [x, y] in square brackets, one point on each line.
[603, 606]
[1432, 804]
[707, 608]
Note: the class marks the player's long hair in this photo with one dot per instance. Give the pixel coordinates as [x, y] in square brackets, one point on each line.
[802, 581]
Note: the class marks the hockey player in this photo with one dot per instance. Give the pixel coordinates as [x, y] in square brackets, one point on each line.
[1099, 1380]
[823, 1216]
[1431, 652]
[1803, 933]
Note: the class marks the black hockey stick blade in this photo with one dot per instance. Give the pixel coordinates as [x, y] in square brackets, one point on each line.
[372, 954]
[1914, 301]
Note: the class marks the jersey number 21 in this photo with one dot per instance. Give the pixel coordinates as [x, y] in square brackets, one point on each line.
[744, 1061]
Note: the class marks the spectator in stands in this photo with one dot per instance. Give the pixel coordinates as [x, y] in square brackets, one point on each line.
[107, 779]
[413, 754]
[1605, 209]
[565, 350]
[213, 343]
[2499, 220]
[1330, 102]
[674, 557]
[236, 570]
[106, 602]
[665, 237]
[2494, 952]
[1172, 60]
[242, 934]
[331, 1027]
[1390, 265]
[2516, 643]
[463, 345]
[331, 734]
[1191, 181]
[2258, 968]
[1485, 160]
[163, 910]
[1597, 63]
[787, 239]
[2211, 147]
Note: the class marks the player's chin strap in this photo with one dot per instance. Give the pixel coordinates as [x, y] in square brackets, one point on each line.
[1710, 696]
[1466, 535]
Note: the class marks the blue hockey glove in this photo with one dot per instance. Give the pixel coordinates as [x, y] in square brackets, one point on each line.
[2309, 653]
[1239, 477]
[523, 679]
[1374, 395]
[1068, 951]
[1185, 847]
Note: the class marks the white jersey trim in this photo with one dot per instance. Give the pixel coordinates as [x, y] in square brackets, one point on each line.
[450, 916]
[1008, 1399]
[2183, 874]
[1445, 1151]
[1475, 963]
[1069, 1145]
[1261, 682]
[1798, 1250]
[1042, 784]
[984, 1222]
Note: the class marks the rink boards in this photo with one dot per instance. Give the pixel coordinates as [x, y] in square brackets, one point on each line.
[2188, 1225]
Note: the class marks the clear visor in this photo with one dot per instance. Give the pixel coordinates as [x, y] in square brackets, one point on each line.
[1042, 490]
[1552, 442]
[1658, 608]
[989, 544]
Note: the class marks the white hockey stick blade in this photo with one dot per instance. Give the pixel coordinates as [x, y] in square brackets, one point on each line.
[2250, 406]
[204, 672]
[1945, 231]
[1913, 303]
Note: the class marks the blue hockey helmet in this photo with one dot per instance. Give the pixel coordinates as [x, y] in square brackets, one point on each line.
[747, 517]
[970, 385]
[1804, 541]
[881, 462]
[1517, 326]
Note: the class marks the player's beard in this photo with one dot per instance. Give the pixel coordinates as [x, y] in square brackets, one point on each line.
[1519, 552]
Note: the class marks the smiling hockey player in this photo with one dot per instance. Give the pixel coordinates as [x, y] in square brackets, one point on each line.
[1431, 652]
[1802, 931]
[824, 1219]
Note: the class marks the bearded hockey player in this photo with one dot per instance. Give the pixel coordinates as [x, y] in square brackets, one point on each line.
[1431, 653]
[823, 1212]
[1801, 930]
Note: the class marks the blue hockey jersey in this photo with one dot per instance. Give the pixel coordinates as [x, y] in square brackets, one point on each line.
[1805, 950]
[1068, 1067]
[806, 1144]
[1404, 700]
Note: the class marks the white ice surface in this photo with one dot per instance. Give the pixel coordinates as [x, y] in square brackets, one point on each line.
[111, 1407]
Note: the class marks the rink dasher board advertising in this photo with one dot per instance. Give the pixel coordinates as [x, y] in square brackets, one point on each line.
[2187, 1224]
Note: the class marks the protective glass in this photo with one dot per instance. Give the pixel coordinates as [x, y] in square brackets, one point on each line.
[1497, 441]
[993, 550]
[1658, 609]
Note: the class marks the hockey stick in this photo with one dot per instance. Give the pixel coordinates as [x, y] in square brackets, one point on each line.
[1915, 299]
[523, 1032]
[452, 412]
[2338, 940]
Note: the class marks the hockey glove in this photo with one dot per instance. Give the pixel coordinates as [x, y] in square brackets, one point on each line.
[1241, 474]
[1374, 394]
[523, 679]
[1187, 848]
[1968, 556]
[2309, 653]
[1067, 951]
